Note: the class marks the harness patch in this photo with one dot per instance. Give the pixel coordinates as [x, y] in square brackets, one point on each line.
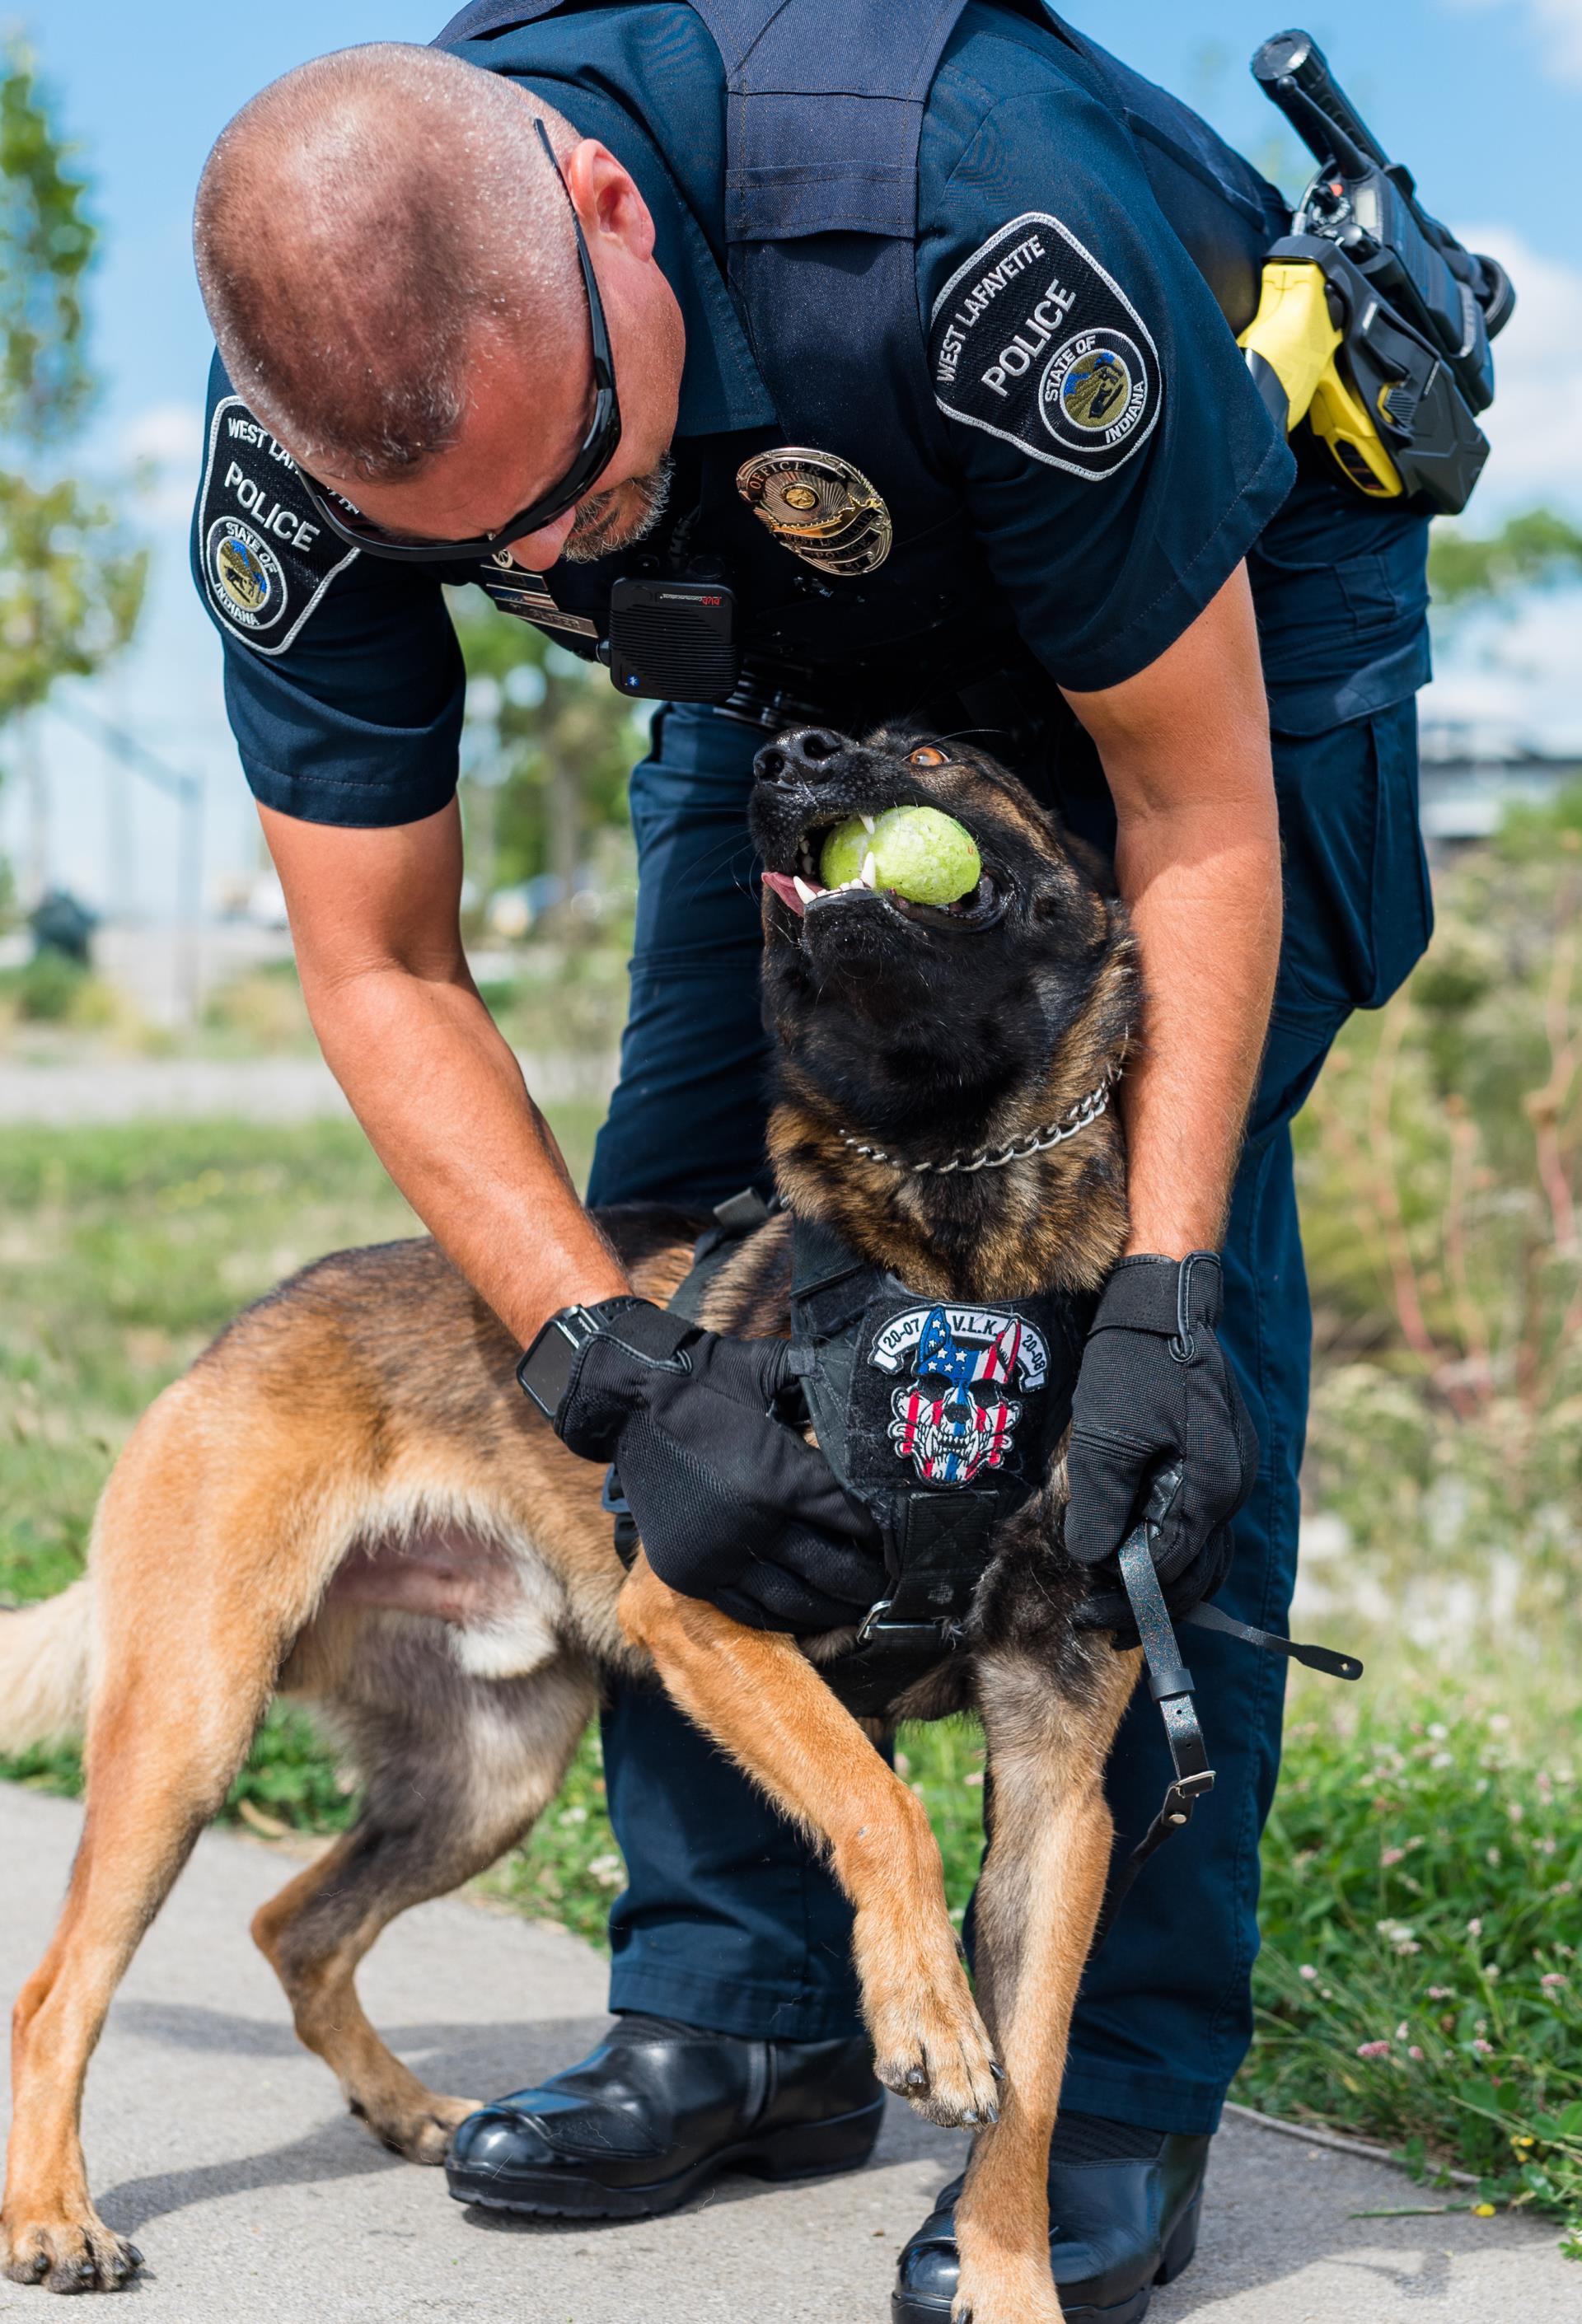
[267, 556]
[956, 1415]
[1032, 341]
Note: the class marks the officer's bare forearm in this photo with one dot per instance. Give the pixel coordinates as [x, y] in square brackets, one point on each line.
[427, 1071]
[1186, 750]
[442, 1099]
[1204, 890]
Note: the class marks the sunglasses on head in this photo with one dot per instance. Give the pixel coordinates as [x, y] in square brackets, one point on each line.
[598, 449]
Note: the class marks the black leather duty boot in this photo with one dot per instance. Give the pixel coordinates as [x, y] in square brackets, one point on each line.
[1124, 2208]
[657, 2111]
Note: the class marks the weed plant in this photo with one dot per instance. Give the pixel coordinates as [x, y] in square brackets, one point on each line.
[1440, 1168]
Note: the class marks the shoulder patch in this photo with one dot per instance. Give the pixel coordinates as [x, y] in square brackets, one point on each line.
[267, 554]
[1032, 341]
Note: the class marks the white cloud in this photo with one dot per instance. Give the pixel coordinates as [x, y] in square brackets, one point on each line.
[1535, 423]
[1516, 673]
[1556, 25]
[165, 432]
[165, 441]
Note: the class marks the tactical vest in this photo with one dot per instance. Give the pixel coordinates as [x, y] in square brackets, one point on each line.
[824, 103]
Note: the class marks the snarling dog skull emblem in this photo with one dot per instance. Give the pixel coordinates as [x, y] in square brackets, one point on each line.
[954, 1416]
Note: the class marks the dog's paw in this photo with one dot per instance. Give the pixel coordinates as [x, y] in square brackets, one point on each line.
[1012, 2291]
[931, 2045]
[67, 2255]
[420, 2131]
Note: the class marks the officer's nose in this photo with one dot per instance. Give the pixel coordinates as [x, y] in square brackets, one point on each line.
[535, 552]
[806, 756]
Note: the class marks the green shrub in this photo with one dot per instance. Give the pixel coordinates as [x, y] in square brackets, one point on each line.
[1419, 1980]
[48, 987]
[263, 1011]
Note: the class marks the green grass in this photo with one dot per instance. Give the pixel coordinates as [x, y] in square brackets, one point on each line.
[1421, 1870]
[1419, 1979]
[122, 1253]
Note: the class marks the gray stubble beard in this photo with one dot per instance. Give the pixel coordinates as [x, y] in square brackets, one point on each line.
[589, 540]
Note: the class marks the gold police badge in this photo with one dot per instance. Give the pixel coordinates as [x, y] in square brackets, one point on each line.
[819, 506]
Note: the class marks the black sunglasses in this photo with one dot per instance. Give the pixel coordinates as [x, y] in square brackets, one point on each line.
[598, 449]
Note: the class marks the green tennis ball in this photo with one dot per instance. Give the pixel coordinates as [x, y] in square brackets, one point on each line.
[920, 853]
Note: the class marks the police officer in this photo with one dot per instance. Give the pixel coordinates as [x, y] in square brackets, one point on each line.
[909, 332]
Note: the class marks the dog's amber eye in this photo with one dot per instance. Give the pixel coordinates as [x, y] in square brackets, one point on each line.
[926, 757]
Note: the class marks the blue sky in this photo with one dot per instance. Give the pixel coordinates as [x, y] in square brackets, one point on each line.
[1483, 97]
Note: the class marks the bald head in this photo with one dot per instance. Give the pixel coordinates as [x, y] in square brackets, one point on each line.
[369, 230]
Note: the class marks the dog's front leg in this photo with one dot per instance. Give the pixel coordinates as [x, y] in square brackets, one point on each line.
[757, 1694]
[1037, 1902]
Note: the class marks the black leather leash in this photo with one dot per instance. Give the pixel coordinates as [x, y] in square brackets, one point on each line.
[1171, 1683]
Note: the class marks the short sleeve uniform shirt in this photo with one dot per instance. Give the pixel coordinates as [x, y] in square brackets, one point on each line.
[1114, 461]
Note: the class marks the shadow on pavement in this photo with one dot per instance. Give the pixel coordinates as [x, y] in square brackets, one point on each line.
[481, 2059]
[336, 2149]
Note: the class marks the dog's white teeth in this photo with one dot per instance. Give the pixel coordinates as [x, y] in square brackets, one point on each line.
[869, 875]
[867, 823]
[804, 890]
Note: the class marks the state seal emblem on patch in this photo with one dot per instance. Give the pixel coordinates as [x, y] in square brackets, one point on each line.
[955, 1414]
[1093, 390]
[819, 506]
[246, 572]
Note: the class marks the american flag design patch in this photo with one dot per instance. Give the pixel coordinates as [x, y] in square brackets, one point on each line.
[956, 1413]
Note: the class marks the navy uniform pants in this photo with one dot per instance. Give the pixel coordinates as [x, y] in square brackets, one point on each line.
[730, 1921]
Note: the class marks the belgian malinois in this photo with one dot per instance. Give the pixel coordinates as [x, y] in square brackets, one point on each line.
[347, 1500]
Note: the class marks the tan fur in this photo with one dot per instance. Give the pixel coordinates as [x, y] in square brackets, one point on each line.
[812, 1758]
[1039, 1900]
[348, 1500]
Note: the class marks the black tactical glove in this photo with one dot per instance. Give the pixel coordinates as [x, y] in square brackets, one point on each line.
[731, 1505]
[1158, 1427]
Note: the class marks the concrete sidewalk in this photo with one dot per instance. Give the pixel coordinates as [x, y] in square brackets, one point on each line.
[272, 1088]
[222, 2147]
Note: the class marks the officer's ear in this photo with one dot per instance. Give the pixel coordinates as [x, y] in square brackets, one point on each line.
[607, 199]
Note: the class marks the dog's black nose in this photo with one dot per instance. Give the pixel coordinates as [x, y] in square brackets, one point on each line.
[805, 756]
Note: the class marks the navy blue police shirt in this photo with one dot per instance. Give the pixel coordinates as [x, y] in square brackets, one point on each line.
[1113, 462]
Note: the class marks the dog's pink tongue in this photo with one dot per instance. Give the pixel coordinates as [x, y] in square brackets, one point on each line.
[785, 887]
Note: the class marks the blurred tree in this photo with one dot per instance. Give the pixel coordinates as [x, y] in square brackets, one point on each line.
[553, 744]
[1535, 550]
[70, 581]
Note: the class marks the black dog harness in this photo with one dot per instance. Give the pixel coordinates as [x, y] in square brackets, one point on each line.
[942, 1416]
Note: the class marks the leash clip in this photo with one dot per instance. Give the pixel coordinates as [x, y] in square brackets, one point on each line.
[1183, 1795]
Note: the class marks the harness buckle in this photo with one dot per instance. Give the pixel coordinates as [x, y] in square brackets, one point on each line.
[872, 1619]
[874, 1630]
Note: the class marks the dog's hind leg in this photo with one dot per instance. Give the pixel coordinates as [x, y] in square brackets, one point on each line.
[458, 1768]
[756, 1694]
[1038, 1903]
[169, 1731]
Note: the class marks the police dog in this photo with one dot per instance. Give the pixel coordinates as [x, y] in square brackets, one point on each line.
[347, 1500]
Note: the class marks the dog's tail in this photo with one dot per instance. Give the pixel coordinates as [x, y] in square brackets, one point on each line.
[44, 1669]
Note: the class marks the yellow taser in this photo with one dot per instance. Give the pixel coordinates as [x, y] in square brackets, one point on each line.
[1290, 345]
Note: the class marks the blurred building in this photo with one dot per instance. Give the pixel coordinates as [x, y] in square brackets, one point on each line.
[1471, 771]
